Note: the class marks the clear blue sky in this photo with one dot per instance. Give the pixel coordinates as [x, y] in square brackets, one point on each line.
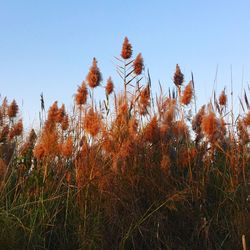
[47, 46]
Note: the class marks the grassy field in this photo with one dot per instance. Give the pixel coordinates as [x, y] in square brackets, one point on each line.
[136, 171]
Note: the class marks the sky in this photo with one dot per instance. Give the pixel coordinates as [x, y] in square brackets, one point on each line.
[47, 46]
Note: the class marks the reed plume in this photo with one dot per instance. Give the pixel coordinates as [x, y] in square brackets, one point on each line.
[92, 122]
[109, 86]
[16, 130]
[138, 64]
[82, 94]
[13, 109]
[178, 76]
[126, 49]
[187, 94]
[94, 76]
[67, 147]
[223, 98]
[144, 100]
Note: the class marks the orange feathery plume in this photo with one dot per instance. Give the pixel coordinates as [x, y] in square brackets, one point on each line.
[50, 143]
[29, 144]
[150, 132]
[180, 130]
[209, 125]
[53, 113]
[61, 113]
[94, 76]
[38, 151]
[67, 147]
[223, 98]
[138, 64]
[126, 49]
[109, 87]
[187, 94]
[144, 100]
[92, 122]
[13, 109]
[178, 76]
[82, 94]
[242, 132]
[16, 130]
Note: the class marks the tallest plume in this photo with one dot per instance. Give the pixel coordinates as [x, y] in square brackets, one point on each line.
[126, 49]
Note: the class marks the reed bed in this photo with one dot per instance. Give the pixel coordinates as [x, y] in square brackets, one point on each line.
[137, 171]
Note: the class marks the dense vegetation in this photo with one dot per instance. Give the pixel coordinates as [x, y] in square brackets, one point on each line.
[136, 171]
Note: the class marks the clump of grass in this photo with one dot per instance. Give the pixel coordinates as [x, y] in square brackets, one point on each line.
[135, 172]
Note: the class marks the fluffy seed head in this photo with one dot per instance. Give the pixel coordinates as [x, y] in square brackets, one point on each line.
[144, 100]
[53, 113]
[92, 122]
[13, 109]
[39, 151]
[61, 113]
[109, 86]
[187, 94]
[67, 147]
[138, 64]
[94, 76]
[126, 49]
[16, 130]
[210, 125]
[82, 94]
[223, 98]
[178, 76]
[151, 131]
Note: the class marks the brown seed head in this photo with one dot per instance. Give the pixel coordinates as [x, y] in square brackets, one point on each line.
[53, 113]
[151, 131]
[178, 76]
[138, 64]
[13, 109]
[82, 94]
[187, 94]
[92, 122]
[209, 125]
[144, 100]
[16, 130]
[109, 87]
[94, 76]
[39, 151]
[223, 98]
[126, 49]
[61, 113]
[67, 147]
[49, 141]
[180, 130]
